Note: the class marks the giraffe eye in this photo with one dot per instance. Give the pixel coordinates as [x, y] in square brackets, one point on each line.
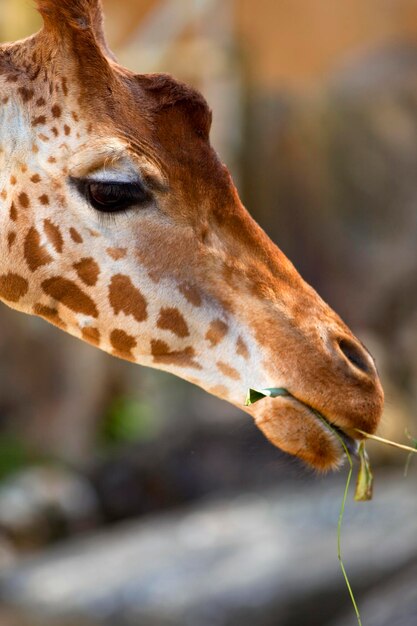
[112, 197]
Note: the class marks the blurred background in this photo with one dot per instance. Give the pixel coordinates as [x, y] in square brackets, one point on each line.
[128, 497]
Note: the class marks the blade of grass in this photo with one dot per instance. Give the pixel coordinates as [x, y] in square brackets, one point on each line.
[410, 456]
[407, 465]
[341, 515]
[387, 442]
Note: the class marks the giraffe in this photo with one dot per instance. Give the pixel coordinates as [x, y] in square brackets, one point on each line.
[120, 225]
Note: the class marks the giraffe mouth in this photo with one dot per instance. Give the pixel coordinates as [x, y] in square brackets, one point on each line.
[348, 443]
[351, 444]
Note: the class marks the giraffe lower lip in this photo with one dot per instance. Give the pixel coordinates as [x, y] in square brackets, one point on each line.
[351, 445]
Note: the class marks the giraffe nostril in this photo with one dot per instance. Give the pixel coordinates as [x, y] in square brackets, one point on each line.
[357, 356]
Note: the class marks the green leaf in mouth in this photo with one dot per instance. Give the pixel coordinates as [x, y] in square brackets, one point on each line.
[254, 395]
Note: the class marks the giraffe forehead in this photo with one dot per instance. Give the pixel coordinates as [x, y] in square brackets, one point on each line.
[31, 131]
[49, 131]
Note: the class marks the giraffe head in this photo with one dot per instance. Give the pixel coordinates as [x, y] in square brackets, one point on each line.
[120, 225]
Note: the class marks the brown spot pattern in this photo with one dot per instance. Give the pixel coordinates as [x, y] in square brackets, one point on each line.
[88, 271]
[122, 344]
[191, 293]
[125, 297]
[24, 200]
[11, 238]
[35, 254]
[75, 236]
[172, 320]
[228, 370]
[117, 253]
[38, 121]
[92, 335]
[54, 235]
[50, 315]
[26, 94]
[216, 332]
[64, 85]
[13, 212]
[44, 199]
[241, 348]
[56, 111]
[219, 390]
[69, 294]
[13, 287]
[181, 358]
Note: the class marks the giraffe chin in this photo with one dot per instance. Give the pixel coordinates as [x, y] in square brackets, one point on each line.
[294, 428]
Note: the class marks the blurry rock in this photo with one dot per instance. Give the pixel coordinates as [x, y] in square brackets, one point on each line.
[42, 504]
[261, 558]
[15, 618]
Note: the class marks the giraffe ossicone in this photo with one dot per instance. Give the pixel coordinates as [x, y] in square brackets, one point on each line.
[120, 225]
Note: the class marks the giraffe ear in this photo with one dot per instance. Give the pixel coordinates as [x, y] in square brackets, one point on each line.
[82, 16]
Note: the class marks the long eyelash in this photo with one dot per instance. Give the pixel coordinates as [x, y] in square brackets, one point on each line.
[131, 190]
[128, 193]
